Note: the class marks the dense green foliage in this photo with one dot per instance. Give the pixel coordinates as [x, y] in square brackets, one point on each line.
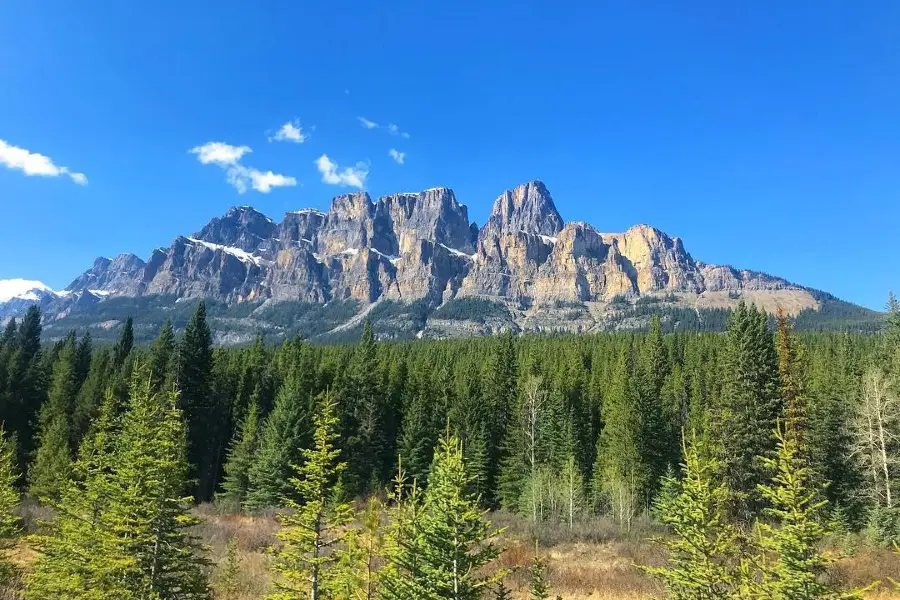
[118, 438]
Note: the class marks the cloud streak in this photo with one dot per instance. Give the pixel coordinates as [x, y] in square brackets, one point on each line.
[32, 163]
[367, 123]
[290, 132]
[399, 157]
[333, 174]
[241, 177]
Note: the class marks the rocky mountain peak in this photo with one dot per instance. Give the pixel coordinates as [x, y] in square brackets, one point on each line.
[241, 227]
[529, 208]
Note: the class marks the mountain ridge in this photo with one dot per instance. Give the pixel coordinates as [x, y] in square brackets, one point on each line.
[422, 248]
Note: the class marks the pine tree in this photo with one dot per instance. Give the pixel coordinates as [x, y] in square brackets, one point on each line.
[622, 472]
[83, 354]
[50, 470]
[652, 370]
[500, 396]
[228, 574]
[792, 376]
[162, 358]
[364, 418]
[148, 509]
[318, 522]
[284, 432]
[204, 425]
[356, 574]
[9, 503]
[748, 407]
[704, 550]
[501, 592]
[24, 394]
[419, 436]
[124, 344]
[403, 577]
[792, 538]
[81, 556]
[538, 588]
[240, 459]
[457, 541]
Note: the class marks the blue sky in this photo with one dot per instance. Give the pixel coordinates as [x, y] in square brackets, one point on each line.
[766, 134]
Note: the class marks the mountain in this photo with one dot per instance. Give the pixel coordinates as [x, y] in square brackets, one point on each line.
[416, 261]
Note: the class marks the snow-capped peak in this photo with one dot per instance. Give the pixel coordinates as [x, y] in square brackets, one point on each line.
[22, 289]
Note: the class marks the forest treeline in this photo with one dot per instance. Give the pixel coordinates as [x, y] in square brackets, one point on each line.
[778, 437]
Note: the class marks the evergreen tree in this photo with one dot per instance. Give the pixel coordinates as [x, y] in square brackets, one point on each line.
[284, 432]
[81, 557]
[457, 541]
[652, 370]
[704, 551]
[204, 421]
[236, 484]
[91, 394]
[356, 574]
[124, 344]
[9, 503]
[403, 576]
[83, 354]
[500, 398]
[50, 469]
[622, 472]
[318, 523]
[748, 407]
[792, 376]
[24, 393]
[793, 536]
[162, 358]
[148, 509]
[364, 418]
[538, 588]
[419, 433]
[228, 579]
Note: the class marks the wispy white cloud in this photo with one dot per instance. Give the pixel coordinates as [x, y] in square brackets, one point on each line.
[290, 132]
[333, 174]
[32, 163]
[219, 153]
[240, 177]
[367, 123]
[395, 130]
[398, 157]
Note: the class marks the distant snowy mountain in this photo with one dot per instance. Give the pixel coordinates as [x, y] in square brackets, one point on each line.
[16, 295]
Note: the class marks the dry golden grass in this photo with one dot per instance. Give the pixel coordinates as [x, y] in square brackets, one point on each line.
[595, 561]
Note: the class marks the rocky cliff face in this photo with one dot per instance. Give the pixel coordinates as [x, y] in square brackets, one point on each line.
[418, 246]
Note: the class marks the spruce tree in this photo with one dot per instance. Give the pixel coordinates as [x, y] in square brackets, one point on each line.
[356, 575]
[317, 523]
[162, 357]
[621, 471]
[124, 344]
[456, 539]
[705, 561]
[50, 470]
[364, 414]
[500, 398]
[748, 407]
[403, 577]
[195, 366]
[24, 394]
[9, 503]
[792, 535]
[236, 484]
[81, 556]
[149, 510]
[538, 588]
[652, 370]
[282, 434]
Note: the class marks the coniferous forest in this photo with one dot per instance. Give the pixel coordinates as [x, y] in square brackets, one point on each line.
[385, 462]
